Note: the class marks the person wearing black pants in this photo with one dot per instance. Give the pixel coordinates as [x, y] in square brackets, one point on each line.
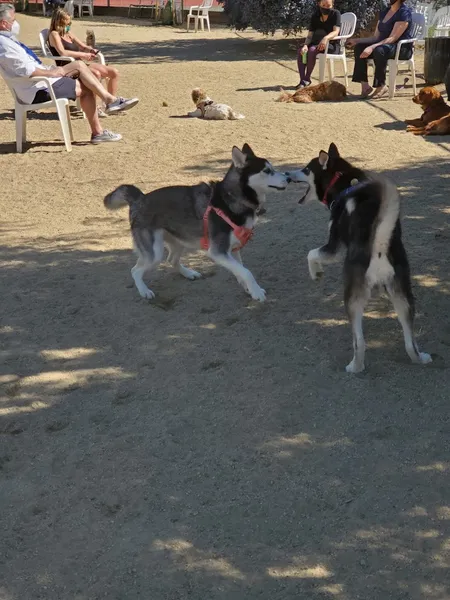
[395, 24]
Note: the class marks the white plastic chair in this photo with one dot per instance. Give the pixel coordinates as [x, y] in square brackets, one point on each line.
[68, 7]
[418, 27]
[348, 26]
[441, 25]
[84, 5]
[428, 12]
[200, 13]
[21, 110]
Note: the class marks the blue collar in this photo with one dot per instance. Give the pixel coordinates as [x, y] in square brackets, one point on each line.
[346, 193]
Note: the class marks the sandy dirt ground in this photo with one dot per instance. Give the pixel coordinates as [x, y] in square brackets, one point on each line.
[202, 446]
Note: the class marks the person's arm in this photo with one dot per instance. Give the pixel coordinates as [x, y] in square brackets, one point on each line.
[16, 63]
[307, 41]
[55, 41]
[51, 72]
[329, 37]
[397, 31]
[368, 40]
[81, 45]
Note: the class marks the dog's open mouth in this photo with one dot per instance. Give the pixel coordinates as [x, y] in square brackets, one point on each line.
[304, 194]
[277, 187]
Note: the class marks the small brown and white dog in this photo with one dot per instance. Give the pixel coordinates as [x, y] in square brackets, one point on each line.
[90, 38]
[210, 110]
[434, 109]
[328, 91]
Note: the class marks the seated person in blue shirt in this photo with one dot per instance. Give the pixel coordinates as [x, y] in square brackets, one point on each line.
[395, 24]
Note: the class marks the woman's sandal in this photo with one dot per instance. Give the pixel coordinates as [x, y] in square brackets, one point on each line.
[383, 92]
[366, 94]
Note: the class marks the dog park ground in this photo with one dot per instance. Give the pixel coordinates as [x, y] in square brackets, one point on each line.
[203, 446]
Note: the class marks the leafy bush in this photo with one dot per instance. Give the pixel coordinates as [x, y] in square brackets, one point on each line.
[291, 16]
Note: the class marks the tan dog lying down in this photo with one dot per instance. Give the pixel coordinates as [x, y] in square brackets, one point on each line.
[329, 91]
[208, 109]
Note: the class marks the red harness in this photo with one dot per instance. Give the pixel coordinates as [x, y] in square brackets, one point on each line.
[335, 178]
[243, 234]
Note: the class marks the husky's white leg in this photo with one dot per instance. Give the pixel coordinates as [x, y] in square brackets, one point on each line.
[242, 274]
[149, 246]
[237, 255]
[174, 259]
[404, 307]
[324, 255]
[356, 311]
[356, 295]
[138, 272]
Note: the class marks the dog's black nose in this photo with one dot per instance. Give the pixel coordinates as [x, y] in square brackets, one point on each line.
[288, 179]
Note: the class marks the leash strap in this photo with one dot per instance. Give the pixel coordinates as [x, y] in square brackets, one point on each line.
[334, 179]
[243, 234]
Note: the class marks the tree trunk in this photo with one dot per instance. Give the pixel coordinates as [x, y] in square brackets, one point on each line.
[437, 59]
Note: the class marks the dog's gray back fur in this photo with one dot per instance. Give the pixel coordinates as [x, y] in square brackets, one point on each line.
[177, 210]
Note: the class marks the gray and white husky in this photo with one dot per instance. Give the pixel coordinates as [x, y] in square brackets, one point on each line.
[365, 219]
[217, 216]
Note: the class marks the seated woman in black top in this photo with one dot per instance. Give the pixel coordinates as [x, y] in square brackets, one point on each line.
[325, 26]
[63, 43]
[395, 24]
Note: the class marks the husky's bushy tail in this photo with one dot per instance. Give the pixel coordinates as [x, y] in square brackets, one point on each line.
[380, 269]
[122, 196]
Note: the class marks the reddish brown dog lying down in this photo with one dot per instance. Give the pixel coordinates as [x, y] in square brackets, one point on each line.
[439, 127]
[329, 91]
[434, 109]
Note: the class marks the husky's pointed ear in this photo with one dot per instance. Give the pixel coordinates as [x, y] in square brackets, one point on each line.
[323, 159]
[238, 157]
[333, 152]
[247, 150]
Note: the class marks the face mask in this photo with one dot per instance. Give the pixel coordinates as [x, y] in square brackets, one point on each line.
[15, 29]
[326, 11]
[67, 28]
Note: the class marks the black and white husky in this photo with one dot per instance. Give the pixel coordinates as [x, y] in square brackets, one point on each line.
[364, 217]
[218, 217]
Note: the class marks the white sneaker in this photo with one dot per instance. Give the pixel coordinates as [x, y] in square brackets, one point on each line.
[121, 104]
[101, 113]
[105, 136]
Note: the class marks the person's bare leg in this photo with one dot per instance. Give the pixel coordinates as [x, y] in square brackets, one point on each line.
[109, 73]
[89, 80]
[89, 106]
[113, 81]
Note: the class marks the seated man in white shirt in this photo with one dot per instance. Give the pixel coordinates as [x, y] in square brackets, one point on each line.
[71, 81]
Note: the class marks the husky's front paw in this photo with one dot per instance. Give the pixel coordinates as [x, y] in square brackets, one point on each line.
[257, 293]
[189, 273]
[354, 367]
[425, 358]
[314, 265]
[147, 294]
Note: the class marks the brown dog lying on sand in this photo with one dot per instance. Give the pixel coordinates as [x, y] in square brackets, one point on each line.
[439, 127]
[434, 109]
[328, 91]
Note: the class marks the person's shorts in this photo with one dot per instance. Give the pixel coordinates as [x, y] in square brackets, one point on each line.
[63, 88]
